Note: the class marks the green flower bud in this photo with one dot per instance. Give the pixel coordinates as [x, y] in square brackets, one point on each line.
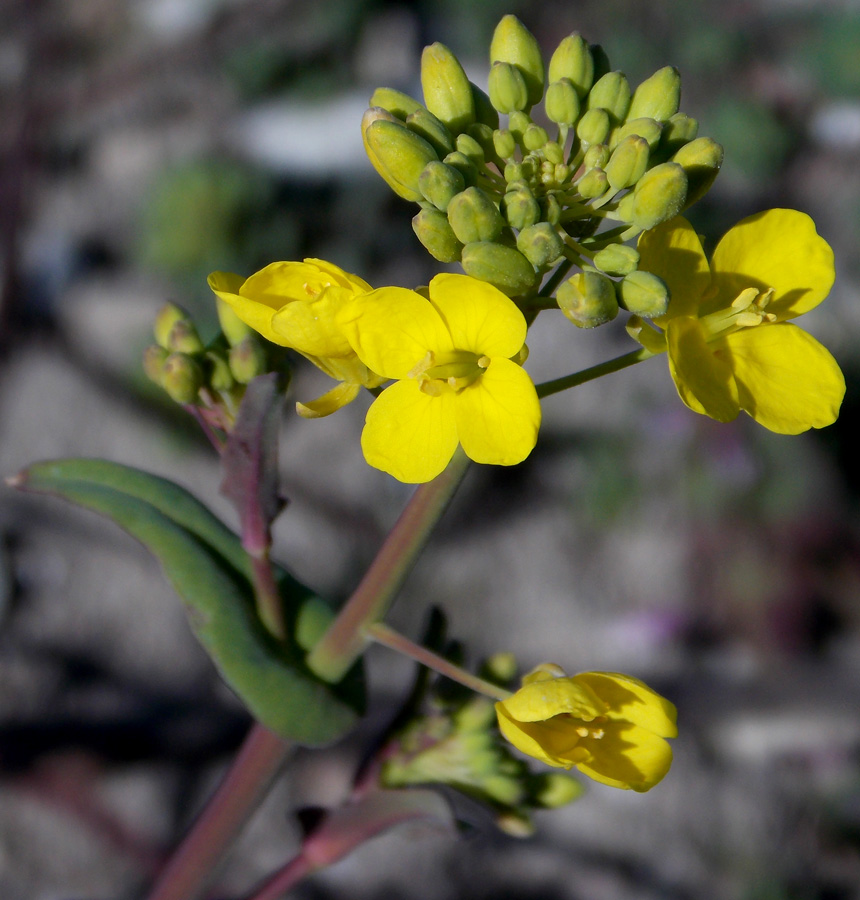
[463, 165]
[612, 93]
[167, 317]
[627, 163]
[553, 153]
[153, 361]
[658, 196]
[679, 130]
[535, 137]
[477, 714]
[617, 259]
[439, 183]
[658, 97]
[508, 90]
[650, 129]
[503, 267]
[596, 155]
[515, 823]
[183, 338]
[397, 103]
[220, 378]
[471, 149]
[398, 154]
[473, 216]
[431, 227]
[513, 43]
[500, 668]
[181, 377]
[562, 102]
[504, 789]
[540, 244]
[551, 209]
[518, 122]
[701, 160]
[232, 327]
[554, 789]
[643, 294]
[484, 112]
[483, 137]
[248, 359]
[505, 143]
[588, 299]
[593, 127]
[520, 207]
[572, 60]
[447, 90]
[593, 183]
[425, 124]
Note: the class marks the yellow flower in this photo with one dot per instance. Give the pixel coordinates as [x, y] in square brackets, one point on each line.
[294, 304]
[729, 344]
[456, 382]
[610, 726]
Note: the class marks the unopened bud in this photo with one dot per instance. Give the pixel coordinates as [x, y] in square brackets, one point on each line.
[432, 228]
[554, 789]
[572, 60]
[447, 90]
[679, 130]
[643, 294]
[617, 259]
[593, 183]
[513, 43]
[520, 207]
[426, 125]
[248, 359]
[701, 160]
[515, 823]
[471, 149]
[650, 129]
[439, 183]
[463, 165]
[474, 217]
[505, 143]
[627, 163]
[484, 112]
[658, 196]
[167, 317]
[398, 154]
[232, 327]
[588, 299]
[553, 153]
[181, 377]
[596, 155]
[397, 103]
[593, 127]
[500, 668]
[503, 267]
[658, 97]
[551, 209]
[612, 93]
[508, 90]
[183, 338]
[540, 244]
[220, 378]
[535, 137]
[518, 123]
[153, 361]
[562, 102]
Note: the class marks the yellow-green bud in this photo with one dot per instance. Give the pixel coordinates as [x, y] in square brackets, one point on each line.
[627, 163]
[551, 209]
[520, 207]
[167, 317]
[463, 165]
[540, 244]
[232, 327]
[535, 137]
[679, 130]
[484, 112]
[447, 90]
[553, 153]
[596, 155]
[181, 377]
[439, 183]
[503, 267]
[398, 154]
[643, 294]
[593, 127]
[476, 715]
[554, 789]
[483, 137]
[617, 259]
[612, 93]
[562, 102]
[431, 227]
[572, 60]
[701, 160]
[471, 149]
[397, 103]
[508, 90]
[658, 196]
[593, 183]
[513, 43]
[504, 789]
[183, 338]
[474, 217]
[248, 359]
[505, 143]
[500, 668]
[658, 97]
[425, 124]
[220, 377]
[518, 122]
[153, 360]
[588, 299]
[650, 129]
[515, 823]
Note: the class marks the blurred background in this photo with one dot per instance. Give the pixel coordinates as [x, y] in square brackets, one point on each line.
[144, 143]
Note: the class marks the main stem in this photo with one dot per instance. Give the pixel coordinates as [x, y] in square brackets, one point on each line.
[345, 639]
[577, 378]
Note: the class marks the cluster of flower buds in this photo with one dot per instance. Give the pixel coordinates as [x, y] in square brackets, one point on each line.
[212, 376]
[511, 203]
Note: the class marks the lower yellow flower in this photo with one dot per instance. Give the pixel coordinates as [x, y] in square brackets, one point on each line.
[295, 304]
[457, 383]
[729, 344]
[610, 726]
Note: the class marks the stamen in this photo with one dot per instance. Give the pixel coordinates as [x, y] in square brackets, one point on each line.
[582, 731]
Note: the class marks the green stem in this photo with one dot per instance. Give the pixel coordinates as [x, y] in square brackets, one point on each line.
[577, 378]
[193, 865]
[346, 639]
[270, 606]
[392, 639]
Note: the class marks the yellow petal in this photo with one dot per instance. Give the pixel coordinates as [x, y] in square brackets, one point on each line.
[674, 252]
[498, 416]
[392, 329]
[309, 325]
[627, 756]
[541, 700]
[329, 402]
[703, 378]
[479, 317]
[554, 743]
[254, 313]
[778, 249]
[631, 699]
[409, 434]
[279, 282]
[788, 381]
[338, 276]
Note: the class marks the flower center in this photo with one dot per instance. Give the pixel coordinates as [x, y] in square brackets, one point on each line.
[748, 309]
[453, 370]
[590, 729]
